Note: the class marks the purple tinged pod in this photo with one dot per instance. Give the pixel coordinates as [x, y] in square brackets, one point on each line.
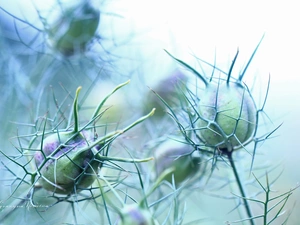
[180, 157]
[68, 166]
[66, 161]
[169, 90]
[134, 214]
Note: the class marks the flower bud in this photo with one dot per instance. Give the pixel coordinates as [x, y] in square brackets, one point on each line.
[169, 89]
[133, 214]
[180, 157]
[65, 162]
[227, 115]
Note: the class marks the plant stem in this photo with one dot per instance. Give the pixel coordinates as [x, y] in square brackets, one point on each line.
[240, 186]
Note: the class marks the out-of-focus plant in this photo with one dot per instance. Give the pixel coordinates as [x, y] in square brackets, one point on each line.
[167, 89]
[73, 31]
[184, 160]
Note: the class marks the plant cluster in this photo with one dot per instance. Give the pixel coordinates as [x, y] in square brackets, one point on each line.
[88, 159]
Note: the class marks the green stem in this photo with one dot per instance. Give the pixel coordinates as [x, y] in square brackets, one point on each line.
[97, 110]
[129, 160]
[240, 186]
[267, 191]
[75, 111]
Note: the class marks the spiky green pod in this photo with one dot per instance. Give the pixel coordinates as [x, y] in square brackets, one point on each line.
[66, 162]
[227, 112]
[77, 26]
[67, 168]
[228, 115]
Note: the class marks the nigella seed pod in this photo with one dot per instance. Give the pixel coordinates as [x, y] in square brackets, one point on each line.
[182, 158]
[134, 214]
[69, 165]
[69, 161]
[66, 160]
[228, 115]
[75, 29]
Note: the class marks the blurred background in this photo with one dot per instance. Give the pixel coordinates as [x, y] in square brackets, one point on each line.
[129, 44]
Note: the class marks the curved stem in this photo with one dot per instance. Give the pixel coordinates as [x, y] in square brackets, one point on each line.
[129, 160]
[202, 78]
[240, 186]
[97, 110]
[75, 111]
[231, 67]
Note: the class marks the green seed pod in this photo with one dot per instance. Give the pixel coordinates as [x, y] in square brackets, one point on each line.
[66, 163]
[134, 214]
[227, 111]
[68, 166]
[180, 157]
[228, 115]
[77, 26]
